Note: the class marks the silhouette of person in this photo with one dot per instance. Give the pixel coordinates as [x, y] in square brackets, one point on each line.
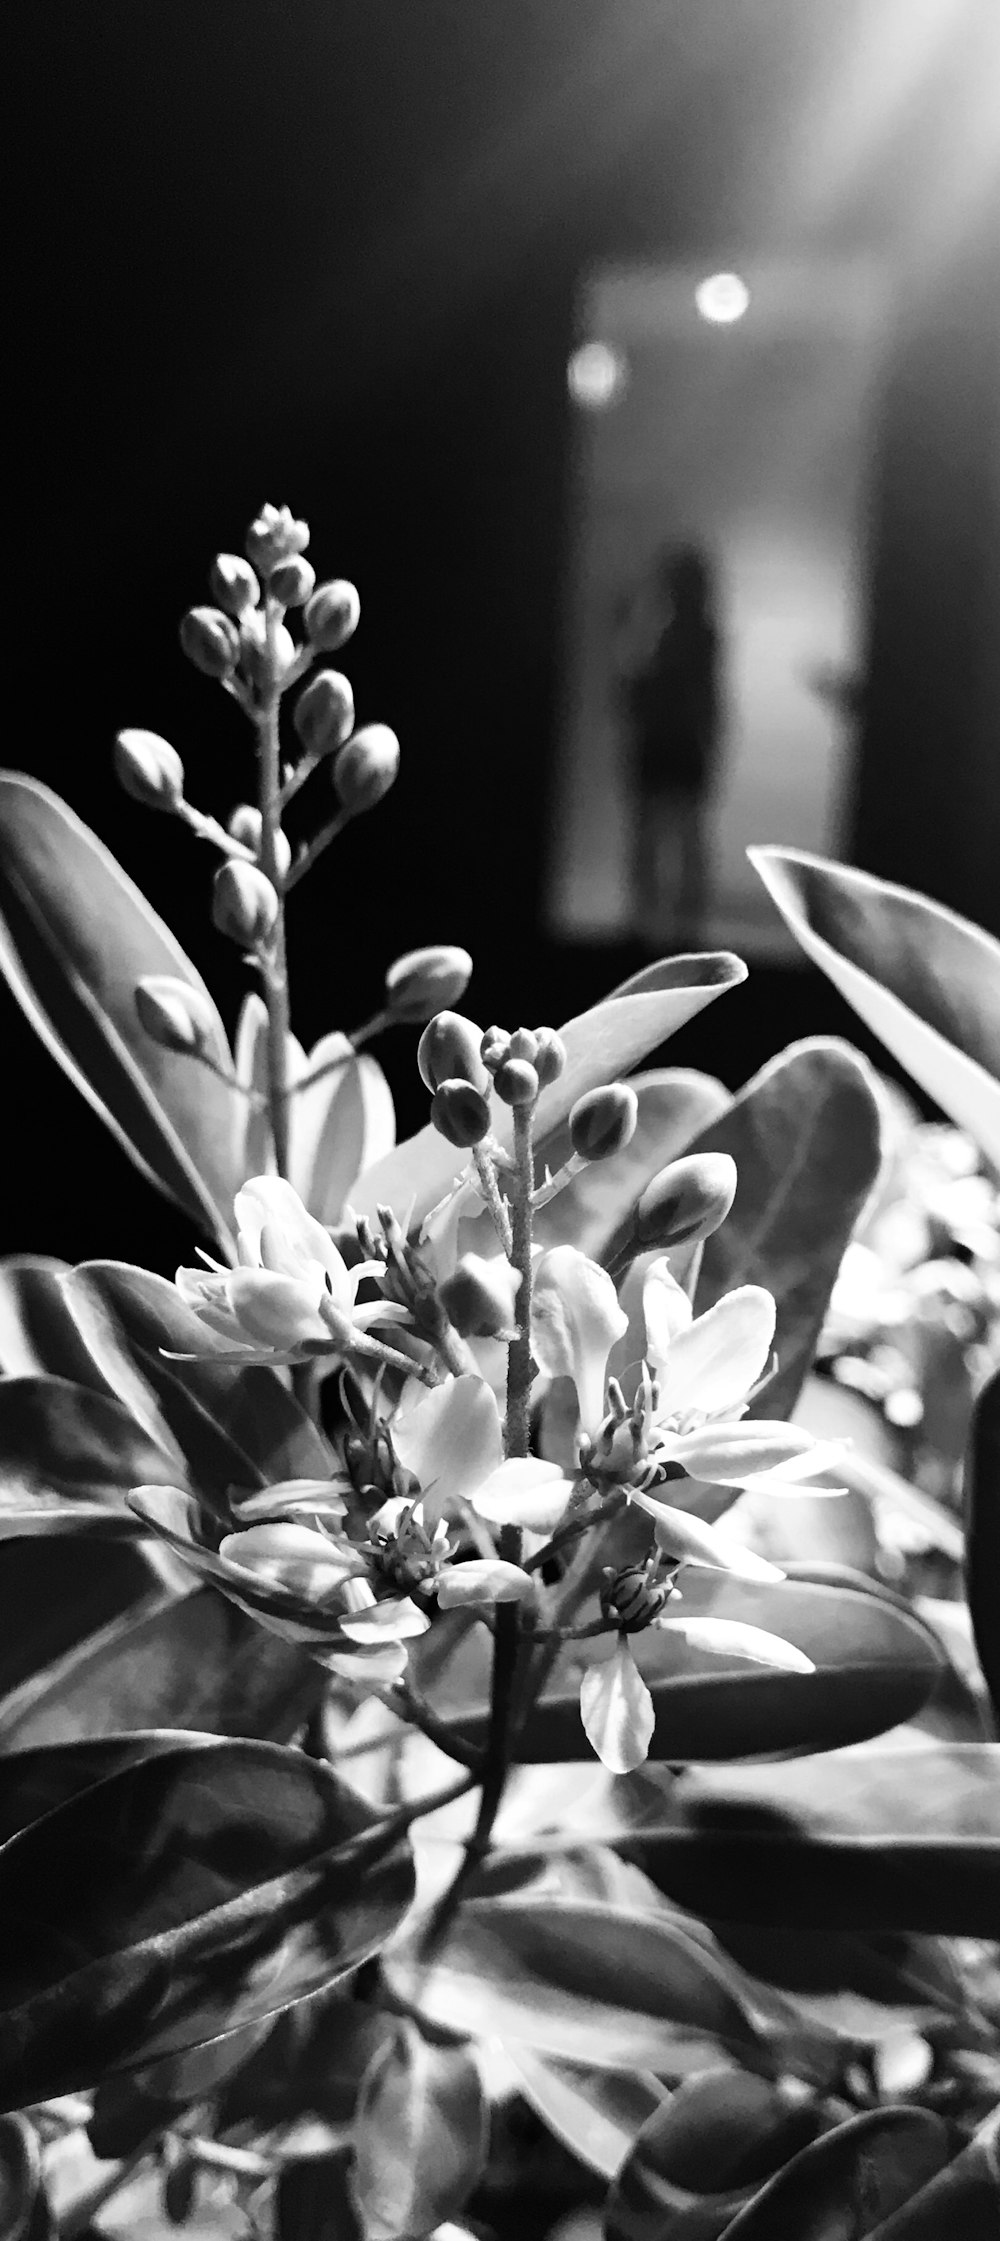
[670, 701]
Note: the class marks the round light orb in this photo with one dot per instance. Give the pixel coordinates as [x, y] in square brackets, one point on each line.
[722, 298]
[597, 374]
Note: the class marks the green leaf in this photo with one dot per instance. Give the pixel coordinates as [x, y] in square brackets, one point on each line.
[843, 2186]
[602, 1044]
[962, 2199]
[421, 2132]
[188, 1661]
[76, 935]
[597, 2114]
[68, 1458]
[340, 1126]
[703, 2154]
[180, 1898]
[38, 1336]
[583, 1982]
[892, 1837]
[925, 981]
[805, 1137]
[57, 1592]
[875, 1665]
[982, 1544]
[674, 1104]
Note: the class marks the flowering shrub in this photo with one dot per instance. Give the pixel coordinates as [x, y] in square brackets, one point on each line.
[446, 1747]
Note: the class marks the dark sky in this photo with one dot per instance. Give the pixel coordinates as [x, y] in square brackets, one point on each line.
[326, 253]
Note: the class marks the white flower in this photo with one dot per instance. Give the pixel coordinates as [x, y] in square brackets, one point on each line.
[292, 1293]
[452, 1441]
[575, 1321]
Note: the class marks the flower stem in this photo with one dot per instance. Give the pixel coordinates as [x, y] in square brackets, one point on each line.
[276, 974]
[321, 840]
[506, 1644]
[486, 1171]
[520, 1367]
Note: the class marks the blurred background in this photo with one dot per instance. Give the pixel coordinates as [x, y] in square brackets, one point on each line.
[559, 320]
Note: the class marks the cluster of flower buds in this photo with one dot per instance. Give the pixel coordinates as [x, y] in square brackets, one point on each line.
[449, 1056]
[245, 825]
[522, 1064]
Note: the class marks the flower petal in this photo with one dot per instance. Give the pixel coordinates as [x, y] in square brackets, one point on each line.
[484, 1580]
[617, 1711]
[452, 1442]
[394, 1620]
[727, 1454]
[525, 1492]
[292, 1556]
[291, 1498]
[690, 1541]
[277, 1310]
[666, 1309]
[268, 1208]
[712, 1365]
[575, 1320]
[734, 1638]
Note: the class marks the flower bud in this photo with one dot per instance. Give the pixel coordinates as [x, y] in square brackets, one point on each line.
[273, 537]
[244, 903]
[149, 769]
[460, 1114]
[331, 616]
[292, 581]
[523, 1044]
[449, 1047]
[494, 1048]
[550, 1057]
[323, 715]
[233, 583]
[365, 768]
[209, 640]
[258, 661]
[479, 1297]
[177, 1016]
[419, 984]
[685, 1201]
[516, 1082]
[246, 825]
[603, 1122]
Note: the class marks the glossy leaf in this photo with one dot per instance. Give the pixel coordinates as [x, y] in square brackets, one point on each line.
[891, 1837]
[68, 1458]
[924, 980]
[982, 1546]
[38, 1336]
[875, 1665]
[805, 1137]
[190, 1661]
[76, 935]
[56, 1593]
[582, 1982]
[597, 2114]
[340, 1126]
[674, 1105]
[962, 2199]
[421, 2132]
[703, 2154]
[602, 1044]
[844, 2186]
[191, 1894]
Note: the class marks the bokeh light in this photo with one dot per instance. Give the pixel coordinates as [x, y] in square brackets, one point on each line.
[722, 298]
[597, 375]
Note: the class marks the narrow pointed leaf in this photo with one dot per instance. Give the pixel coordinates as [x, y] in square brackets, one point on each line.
[191, 1894]
[805, 1137]
[188, 1661]
[420, 2135]
[68, 1458]
[602, 1044]
[76, 935]
[844, 2186]
[924, 980]
[582, 1982]
[890, 1837]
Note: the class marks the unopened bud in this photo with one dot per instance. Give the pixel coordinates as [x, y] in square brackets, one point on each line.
[177, 1016]
[244, 903]
[366, 768]
[233, 583]
[246, 825]
[261, 657]
[275, 536]
[292, 581]
[685, 1201]
[494, 1048]
[603, 1122]
[449, 1049]
[550, 1057]
[209, 640]
[323, 715]
[479, 1297]
[149, 769]
[419, 984]
[516, 1082]
[460, 1114]
[523, 1044]
[331, 616]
